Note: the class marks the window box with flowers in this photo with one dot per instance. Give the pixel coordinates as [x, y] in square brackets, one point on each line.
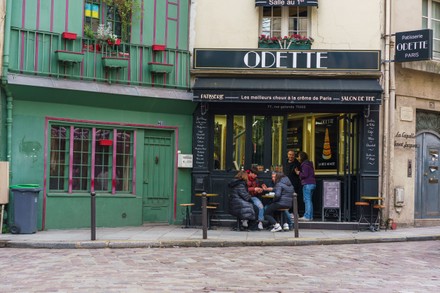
[293, 42]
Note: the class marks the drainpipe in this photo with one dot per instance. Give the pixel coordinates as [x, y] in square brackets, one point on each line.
[387, 115]
[4, 79]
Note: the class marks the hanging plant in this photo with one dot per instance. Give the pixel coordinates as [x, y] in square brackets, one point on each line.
[126, 9]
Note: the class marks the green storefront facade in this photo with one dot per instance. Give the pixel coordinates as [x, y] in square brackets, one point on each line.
[82, 115]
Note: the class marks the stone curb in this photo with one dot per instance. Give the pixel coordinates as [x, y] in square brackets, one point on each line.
[99, 244]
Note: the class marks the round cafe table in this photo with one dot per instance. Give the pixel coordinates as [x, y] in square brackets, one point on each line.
[204, 197]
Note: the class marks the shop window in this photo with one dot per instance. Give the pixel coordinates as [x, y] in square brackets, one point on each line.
[219, 157]
[260, 141]
[239, 142]
[278, 155]
[280, 21]
[431, 20]
[84, 159]
[97, 12]
[258, 125]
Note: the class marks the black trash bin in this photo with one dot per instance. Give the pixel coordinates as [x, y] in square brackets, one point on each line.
[25, 200]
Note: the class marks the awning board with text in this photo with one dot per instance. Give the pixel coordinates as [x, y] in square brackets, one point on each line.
[286, 90]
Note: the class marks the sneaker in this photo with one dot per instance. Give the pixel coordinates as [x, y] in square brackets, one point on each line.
[304, 219]
[260, 226]
[286, 227]
[244, 223]
[276, 228]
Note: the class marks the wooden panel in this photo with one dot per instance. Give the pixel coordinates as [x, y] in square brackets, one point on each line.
[4, 182]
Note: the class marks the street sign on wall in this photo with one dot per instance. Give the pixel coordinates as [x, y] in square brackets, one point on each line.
[413, 46]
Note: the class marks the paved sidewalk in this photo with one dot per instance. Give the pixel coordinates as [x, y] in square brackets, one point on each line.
[155, 236]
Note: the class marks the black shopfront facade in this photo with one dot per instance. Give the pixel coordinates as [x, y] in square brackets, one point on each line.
[254, 105]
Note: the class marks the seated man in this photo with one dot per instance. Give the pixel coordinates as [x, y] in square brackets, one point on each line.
[256, 191]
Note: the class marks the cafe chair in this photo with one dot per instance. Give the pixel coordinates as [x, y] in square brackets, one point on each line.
[283, 220]
[211, 212]
[362, 205]
[379, 208]
[187, 215]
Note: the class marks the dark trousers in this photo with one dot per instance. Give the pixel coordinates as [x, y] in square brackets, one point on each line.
[271, 210]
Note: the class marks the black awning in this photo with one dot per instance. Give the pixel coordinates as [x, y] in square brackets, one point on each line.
[286, 2]
[288, 90]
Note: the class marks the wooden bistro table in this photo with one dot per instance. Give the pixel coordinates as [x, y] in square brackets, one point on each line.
[372, 199]
[204, 197]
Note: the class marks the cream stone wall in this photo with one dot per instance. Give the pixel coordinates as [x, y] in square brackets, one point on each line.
[336, 24]
[347, 24]
[417, 87]
[407, 15]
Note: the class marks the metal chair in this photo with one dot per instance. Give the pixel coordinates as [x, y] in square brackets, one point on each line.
[187, 215]
[361, 208]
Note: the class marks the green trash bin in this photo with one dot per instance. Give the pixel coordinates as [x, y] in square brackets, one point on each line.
[25, 200]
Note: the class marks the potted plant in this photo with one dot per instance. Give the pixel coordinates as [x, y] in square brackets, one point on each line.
[293, 42]
[265, 41]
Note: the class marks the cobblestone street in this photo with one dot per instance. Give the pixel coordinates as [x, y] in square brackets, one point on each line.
[387, 267]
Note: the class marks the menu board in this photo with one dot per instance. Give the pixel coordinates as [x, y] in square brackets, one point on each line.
[200, 141]
[331, 194]
[370, 152]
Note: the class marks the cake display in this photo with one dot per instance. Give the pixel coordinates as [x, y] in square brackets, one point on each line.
[327, 151]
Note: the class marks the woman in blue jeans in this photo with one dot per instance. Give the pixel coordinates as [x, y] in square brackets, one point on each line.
[307, 176]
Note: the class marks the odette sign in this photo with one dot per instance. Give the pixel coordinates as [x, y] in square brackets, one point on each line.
[413, 46]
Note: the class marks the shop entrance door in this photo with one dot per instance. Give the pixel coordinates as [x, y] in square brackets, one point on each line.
[427, 200]
[350, 136]
[158, 164]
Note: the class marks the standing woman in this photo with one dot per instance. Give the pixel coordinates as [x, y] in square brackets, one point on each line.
[240, 202]
[283, 199]
[307, 176]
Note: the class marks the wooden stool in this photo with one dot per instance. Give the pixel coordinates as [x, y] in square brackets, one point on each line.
[379, 208]
[282, 219]
[211, 209]
[362, 205]
[187, 216]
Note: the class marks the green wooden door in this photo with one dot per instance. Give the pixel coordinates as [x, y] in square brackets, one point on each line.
[158, 165]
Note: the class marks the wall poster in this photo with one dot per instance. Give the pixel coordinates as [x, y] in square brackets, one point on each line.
[326, 142]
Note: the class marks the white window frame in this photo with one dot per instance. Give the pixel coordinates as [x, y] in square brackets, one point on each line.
[285, 22]
[427, 21]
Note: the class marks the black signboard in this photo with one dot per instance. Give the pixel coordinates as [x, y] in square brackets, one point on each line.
[286, 2]
[413, 46]
[269, 59]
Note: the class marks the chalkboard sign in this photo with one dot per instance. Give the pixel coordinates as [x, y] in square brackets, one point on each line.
[370, 150]
[331, 194]
[331, 198]
[200, 143]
